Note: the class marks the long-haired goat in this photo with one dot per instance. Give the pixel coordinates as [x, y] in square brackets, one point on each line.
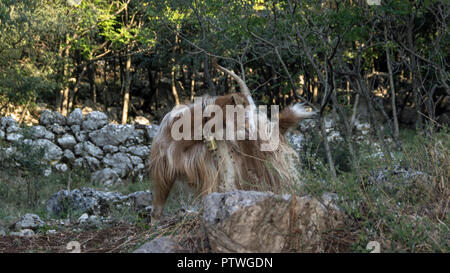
[209, 165]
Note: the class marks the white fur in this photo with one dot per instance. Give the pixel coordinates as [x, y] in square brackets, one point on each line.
[300, 110]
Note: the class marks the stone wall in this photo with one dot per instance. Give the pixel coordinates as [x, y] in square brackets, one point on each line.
[111, 152]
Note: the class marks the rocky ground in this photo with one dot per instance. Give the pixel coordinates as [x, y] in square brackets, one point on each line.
[394, 205]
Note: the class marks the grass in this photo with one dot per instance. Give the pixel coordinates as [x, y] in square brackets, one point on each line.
[403, 214]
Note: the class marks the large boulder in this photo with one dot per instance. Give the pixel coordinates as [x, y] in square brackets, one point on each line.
[39, 131]
[105, 177]
[75, 118]
[6, 122]
[111, 134]
[29, 221]
[52, 151]
[67, 141]
[88, 149]
[49, 118]
[119, 162]
[95, 120]
[83, 200]
[249, 221]
[94, 202]
[140, 151]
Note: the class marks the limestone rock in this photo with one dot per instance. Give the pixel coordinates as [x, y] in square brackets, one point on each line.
[29, 221]
[67, 141]
[88, 149]
[106, 177]
[111, 134]
[75, 118]
[95, 120]
[49, 118]
[52, 151]
[119, 162]
[165, 244]
[141, 151]
[249, 221]
[39, 131]
[83, 200]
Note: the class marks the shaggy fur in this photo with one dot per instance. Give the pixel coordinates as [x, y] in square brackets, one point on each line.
[237, 164]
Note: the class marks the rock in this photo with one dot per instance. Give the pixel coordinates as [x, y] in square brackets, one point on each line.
[95, 120]
[75, 118]
[119, 162]
[39, 131]
[92, 162]
[88, 149]
[123, 149]
[141, 200]
[137, 137]
[296, 139]
[6, 122]
[135, 160]
[94, 202]
[47, 171]
[52, 151]
[151, 131]
[49, 118]
[81, 136]
[390, 180]
[61, 167]
[165, 244]
[249, 221]
[68, 156]
[22, 233]
[57, 129]
[83, 200]
[141, 120]
[110, 149]
[83, 218]
[2, 135]
[14, 137]
[107, 177]
[80, 163]
[13, 129]
[51, 232]
[92, 221]
[2, 232]
[141, 151]
[67, 141]
[29, 221]
[111, 134]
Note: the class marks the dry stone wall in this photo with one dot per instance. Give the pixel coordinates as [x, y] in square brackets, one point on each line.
[112, 152]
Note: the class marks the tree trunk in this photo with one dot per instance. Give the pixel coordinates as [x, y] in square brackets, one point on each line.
[193, 86]
[126, 88]
[391, 83]
[414, 74]
[92, 86]
[323, 130]
[174, 86]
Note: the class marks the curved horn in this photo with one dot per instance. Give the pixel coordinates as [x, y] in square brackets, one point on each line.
[242, 85]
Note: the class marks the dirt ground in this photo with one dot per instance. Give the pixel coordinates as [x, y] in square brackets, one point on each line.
[122, 238]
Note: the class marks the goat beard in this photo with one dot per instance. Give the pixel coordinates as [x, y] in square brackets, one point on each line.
[233, 164]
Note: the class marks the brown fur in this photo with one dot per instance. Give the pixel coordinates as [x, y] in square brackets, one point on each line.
[233, 165]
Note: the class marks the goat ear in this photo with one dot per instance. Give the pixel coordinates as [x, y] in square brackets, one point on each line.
[233, 99]
[237, 99]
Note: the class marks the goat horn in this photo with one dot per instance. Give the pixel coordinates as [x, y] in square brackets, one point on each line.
[242, 85]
